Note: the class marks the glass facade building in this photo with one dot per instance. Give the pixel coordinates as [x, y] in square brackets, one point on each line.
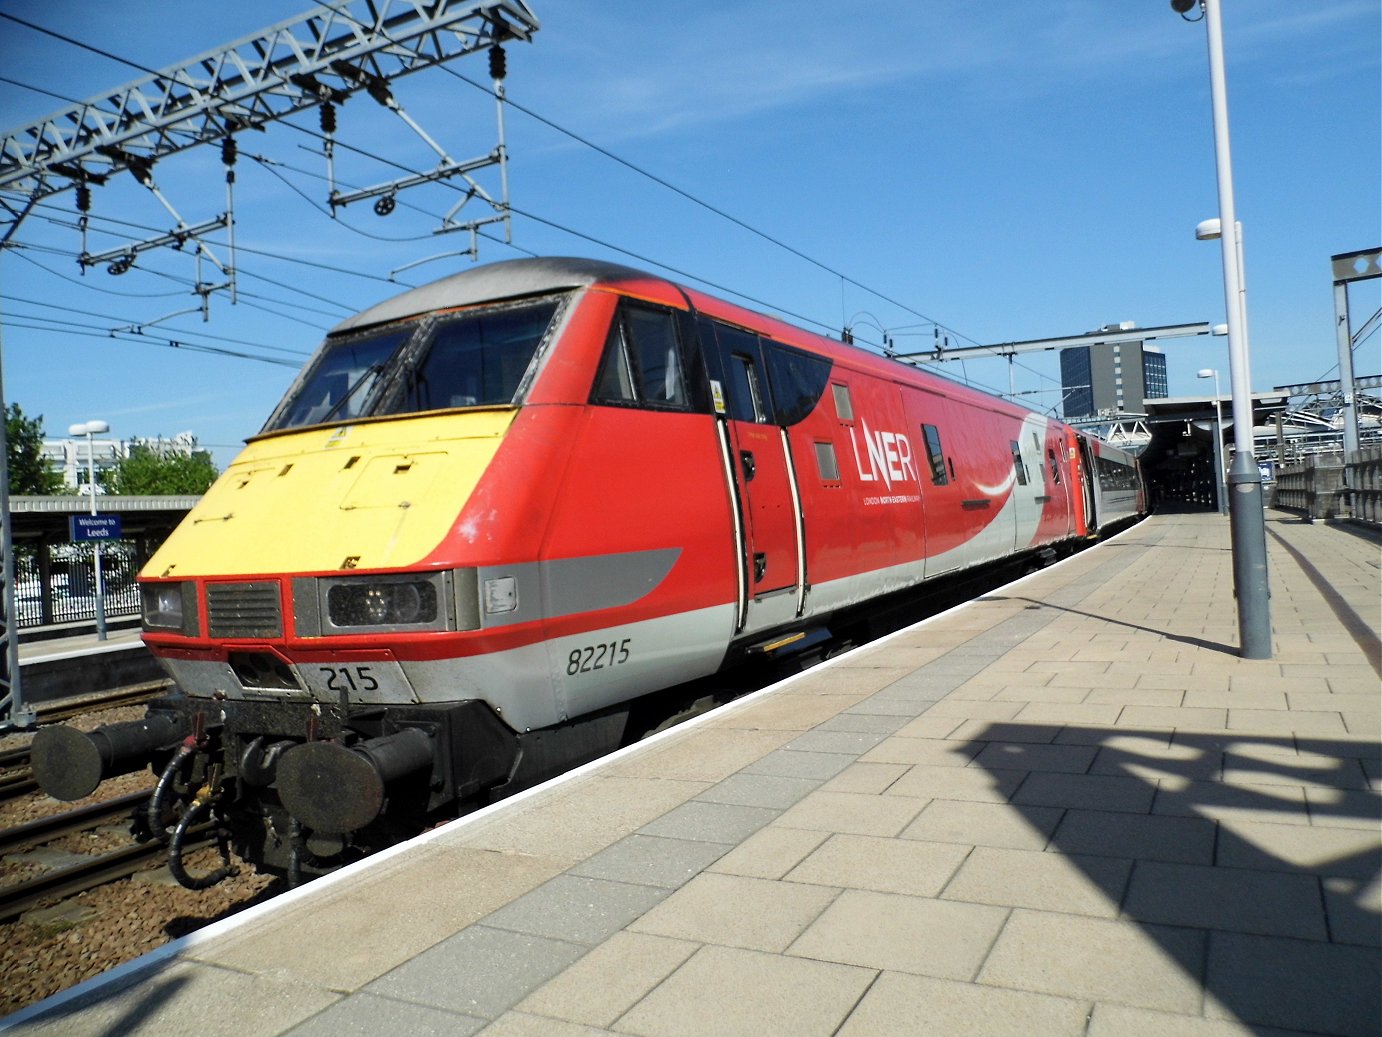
[1110, 378]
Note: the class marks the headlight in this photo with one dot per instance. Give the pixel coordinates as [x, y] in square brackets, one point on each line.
[371, 603]
[385, 602]
[361, 604]
[170, 607]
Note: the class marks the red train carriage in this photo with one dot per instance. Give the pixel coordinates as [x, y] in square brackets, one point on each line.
[493, 511]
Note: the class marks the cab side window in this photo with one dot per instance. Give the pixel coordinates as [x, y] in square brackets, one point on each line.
[798, 381]
[1019, 465]
[642, 365]
[746, 391]
[935, 454]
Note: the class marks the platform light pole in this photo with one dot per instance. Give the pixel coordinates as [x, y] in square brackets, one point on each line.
[1222, 504]
[89, 429]
[1247, 521]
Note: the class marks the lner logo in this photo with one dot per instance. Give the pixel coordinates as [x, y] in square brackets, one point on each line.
[889, 455]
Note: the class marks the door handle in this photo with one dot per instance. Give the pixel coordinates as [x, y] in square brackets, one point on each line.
[749, 465]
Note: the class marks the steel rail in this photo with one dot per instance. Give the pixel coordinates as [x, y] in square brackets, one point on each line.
[78, 878]
[46, 829]
[129, 694]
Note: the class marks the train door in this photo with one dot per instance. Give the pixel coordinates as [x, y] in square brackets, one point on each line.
[1046, 522]
[759, 467]
[1090, 474]
[947, 526]
[1056, 478]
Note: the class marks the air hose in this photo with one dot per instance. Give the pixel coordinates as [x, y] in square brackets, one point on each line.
[201, 804]
[165, 782]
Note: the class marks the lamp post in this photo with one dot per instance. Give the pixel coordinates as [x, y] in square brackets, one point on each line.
[89, 429]
[1247, 522]
[1218, 440]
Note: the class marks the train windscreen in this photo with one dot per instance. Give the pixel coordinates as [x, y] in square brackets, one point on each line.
[477, 358]
[339, 383]
[472, 358]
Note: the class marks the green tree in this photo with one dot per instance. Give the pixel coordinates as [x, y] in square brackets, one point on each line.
[30, 473]
[148, 472]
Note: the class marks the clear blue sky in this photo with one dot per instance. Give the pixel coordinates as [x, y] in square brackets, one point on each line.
[1014, 170]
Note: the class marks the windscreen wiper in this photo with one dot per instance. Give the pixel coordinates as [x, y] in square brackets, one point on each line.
[373, 371]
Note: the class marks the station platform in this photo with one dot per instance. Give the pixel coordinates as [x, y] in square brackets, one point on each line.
[1067, 807]
[116, 640]
[82, 665]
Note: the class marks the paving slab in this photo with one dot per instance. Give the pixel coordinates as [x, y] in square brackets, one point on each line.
[1046, 881]
[737, 911]
[366, 1015]
[735, 992]
[921, 935]
[885, 865]
[1239, 900]
[610, 980]
[984, 824]
[1065, 808]
[1099, 960]
[173, 999]
[1295, 984]
[901, 1005]
[1145, 837]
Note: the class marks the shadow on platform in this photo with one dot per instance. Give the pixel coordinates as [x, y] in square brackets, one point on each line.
[1254, 861]
[1185, 639]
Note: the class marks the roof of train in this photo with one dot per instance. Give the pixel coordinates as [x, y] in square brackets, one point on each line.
[502, 280]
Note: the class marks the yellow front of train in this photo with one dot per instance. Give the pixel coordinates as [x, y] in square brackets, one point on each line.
[374, 494]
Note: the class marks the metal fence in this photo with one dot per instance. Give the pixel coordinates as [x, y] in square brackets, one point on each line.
[55, 583]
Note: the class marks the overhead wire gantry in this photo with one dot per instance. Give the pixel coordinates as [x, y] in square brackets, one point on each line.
[320, 58]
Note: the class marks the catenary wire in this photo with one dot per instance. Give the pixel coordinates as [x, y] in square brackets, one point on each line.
[707, 206]
[13, 299]
[158, 340]
[78, 43]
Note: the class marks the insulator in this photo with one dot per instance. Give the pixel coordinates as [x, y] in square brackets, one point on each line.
[120, 266]
[328, 114]
[83, 198]
[498, 64]
[384, 205]
[378, 88]
[228, 151]
[141, 167]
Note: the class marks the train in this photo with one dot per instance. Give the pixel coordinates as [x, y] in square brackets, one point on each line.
[496, 515]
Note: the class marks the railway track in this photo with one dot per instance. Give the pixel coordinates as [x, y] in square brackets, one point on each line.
[76, 705]
[80, 876]
[16, 779]
[46, 829]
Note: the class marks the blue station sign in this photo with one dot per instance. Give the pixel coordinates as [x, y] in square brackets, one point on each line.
[94, 527]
